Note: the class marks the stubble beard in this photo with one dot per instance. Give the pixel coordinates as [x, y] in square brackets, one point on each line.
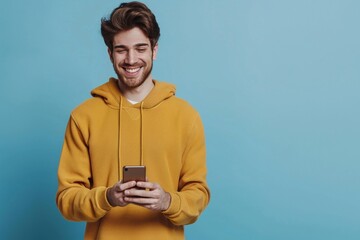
[133, 83]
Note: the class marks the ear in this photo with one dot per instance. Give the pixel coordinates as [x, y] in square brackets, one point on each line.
[155, 50]
[110, 55]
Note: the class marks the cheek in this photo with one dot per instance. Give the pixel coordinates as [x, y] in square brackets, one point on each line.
[117, 61]
[117, 57]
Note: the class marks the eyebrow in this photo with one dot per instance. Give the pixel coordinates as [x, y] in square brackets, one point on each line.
[136, 45]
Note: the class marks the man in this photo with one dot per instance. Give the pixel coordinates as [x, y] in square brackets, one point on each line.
[133, 120]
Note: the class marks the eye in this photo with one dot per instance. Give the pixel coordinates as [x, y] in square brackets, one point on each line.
[120, 51]
[141, 50]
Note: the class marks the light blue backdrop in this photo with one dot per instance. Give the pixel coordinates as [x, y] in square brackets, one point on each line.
[277, 84]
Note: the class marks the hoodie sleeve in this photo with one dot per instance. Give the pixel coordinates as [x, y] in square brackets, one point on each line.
[75, 198]
[193, 195]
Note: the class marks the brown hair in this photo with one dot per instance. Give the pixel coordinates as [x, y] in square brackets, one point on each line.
[128, 16]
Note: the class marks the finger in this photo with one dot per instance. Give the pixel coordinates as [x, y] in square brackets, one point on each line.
[141, 201]
[123, 186]
[139, 193]
[150, 206]
[148, 185]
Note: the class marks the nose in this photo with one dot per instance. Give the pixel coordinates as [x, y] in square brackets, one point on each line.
[131, 57]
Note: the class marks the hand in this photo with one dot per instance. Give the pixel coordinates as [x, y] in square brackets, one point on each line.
[115, 195]
[155, 198]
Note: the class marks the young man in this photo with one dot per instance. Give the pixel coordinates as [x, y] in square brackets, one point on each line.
[133, 120]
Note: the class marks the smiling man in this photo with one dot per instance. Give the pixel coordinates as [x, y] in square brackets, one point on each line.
[132, 56]
[133, 120]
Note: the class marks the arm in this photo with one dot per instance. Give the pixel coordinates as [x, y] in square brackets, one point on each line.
[75, 198]
[193, 195]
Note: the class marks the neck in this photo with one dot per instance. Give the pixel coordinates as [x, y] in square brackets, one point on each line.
[139, 93]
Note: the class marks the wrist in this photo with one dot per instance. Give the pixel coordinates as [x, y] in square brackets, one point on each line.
[167, 201]
[108, 197]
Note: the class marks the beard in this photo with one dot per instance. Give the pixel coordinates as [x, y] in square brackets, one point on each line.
[132, 83]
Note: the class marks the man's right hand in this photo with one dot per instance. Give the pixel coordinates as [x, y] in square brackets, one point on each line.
[115, 195]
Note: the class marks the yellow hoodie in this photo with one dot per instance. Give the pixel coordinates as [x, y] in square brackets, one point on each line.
[106, 132]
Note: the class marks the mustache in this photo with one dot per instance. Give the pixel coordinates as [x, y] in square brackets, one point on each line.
[132, 65]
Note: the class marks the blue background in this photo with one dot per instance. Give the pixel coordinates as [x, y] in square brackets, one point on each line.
[277, 84]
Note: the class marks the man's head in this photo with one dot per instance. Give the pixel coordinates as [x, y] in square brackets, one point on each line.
[131, 34]
[128, 16]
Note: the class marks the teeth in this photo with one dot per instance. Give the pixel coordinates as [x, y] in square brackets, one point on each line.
[132, 70]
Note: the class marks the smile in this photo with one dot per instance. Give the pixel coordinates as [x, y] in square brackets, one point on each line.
[132, 70]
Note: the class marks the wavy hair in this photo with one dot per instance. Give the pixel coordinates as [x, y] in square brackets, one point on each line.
[128, 16]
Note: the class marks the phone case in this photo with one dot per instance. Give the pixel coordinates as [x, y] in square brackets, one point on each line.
[134, 173]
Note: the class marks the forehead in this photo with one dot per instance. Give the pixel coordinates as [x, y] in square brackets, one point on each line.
[130, 38]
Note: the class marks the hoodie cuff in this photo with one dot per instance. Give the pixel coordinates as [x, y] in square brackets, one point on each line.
[174, 204]
[103, 202]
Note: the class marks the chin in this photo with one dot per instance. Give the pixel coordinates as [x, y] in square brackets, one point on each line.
[131, 84]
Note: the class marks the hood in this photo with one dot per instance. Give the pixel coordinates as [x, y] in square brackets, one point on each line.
[111, 94]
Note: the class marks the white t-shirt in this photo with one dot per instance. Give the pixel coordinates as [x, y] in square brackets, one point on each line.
[132, 102]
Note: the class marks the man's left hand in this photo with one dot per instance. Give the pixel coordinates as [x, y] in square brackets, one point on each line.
[154, 198]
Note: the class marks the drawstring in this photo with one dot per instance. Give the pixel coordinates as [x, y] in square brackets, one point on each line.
[141, 138]
[141, 135]
[119, 141]
[119, 138]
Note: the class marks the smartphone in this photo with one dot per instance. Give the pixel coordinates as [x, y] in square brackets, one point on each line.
[134, 173]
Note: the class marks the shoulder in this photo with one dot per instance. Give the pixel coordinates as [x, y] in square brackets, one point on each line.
[88, 108]
[182, 104]
[183, 109]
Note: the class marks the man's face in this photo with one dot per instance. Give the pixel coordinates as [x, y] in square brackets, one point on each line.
[132, 58]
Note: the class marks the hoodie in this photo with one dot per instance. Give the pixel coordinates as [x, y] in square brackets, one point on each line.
[105, 133]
